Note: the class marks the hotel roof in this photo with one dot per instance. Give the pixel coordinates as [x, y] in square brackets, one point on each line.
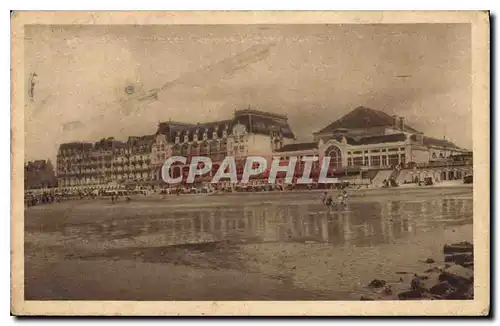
[255, 121]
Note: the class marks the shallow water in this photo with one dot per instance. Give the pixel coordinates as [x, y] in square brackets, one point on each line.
[286, 242]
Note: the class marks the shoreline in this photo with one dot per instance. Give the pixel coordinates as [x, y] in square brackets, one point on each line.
[271, 248]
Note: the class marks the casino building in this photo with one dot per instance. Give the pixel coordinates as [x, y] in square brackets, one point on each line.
[383, 146]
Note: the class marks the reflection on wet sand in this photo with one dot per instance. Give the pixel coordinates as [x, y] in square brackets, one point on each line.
[359, 223]
[281, 249]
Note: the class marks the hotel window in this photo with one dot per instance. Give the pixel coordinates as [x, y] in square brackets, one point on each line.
[393, 159]
[375, 160]
[349, 153]
[403, 159]
[384, 160]
[349, 161]
[366, 161]
[375, 150]
[393, 149]
[401, 148]
[357, 152]
[358, 161]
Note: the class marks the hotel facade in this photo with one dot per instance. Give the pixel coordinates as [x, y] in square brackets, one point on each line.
[364, 144]
[107, 161]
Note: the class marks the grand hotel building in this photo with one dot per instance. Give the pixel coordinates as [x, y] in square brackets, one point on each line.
[365, 143]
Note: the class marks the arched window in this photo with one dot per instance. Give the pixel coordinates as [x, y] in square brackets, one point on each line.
[335, 156]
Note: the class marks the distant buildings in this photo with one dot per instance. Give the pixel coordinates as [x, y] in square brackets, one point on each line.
[364, 139]
[106, 161]
[39, 174]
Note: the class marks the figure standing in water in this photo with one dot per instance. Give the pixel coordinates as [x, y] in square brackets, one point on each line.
[345, 196]
[340, 199]
[327, 199]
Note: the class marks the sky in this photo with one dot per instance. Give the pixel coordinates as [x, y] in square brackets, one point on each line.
[89, 78]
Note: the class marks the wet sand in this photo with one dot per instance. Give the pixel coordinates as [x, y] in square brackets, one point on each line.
[282, 246]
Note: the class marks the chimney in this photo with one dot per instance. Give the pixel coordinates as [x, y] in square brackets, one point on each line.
[395, 121]
[401, 123]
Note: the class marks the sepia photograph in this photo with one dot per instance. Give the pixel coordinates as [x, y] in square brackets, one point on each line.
[246, 163]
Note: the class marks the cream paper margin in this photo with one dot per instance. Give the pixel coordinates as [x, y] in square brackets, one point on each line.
[479, 21]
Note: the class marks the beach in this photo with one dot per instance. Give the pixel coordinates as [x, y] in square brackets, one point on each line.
[258, 246]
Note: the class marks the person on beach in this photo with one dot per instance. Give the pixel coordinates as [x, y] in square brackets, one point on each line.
[344, 197]
[327, 199]
[340, 199]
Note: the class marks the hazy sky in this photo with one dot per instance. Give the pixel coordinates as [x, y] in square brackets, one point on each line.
[314, 73]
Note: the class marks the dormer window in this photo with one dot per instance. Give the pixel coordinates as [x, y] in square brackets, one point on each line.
[214, 135]
[205, 136]
[195, 137]
[185, 138]
[224, 133]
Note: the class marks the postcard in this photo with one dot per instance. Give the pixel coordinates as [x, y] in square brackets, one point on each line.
[250, 163]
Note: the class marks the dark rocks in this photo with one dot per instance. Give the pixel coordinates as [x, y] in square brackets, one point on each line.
[376, 283]
[469, 265]
[416, 283]
[409, 295]
[463, 246]
[462, 293]
[454, 281]
[433, 269]
[459, 258]
[441, 288]
[457, 276]
[434, 297]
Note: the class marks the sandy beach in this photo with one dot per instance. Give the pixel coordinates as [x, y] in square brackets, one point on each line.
[283, 246]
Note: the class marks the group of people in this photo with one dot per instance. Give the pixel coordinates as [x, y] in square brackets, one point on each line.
[327, 199]
[43, 198]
